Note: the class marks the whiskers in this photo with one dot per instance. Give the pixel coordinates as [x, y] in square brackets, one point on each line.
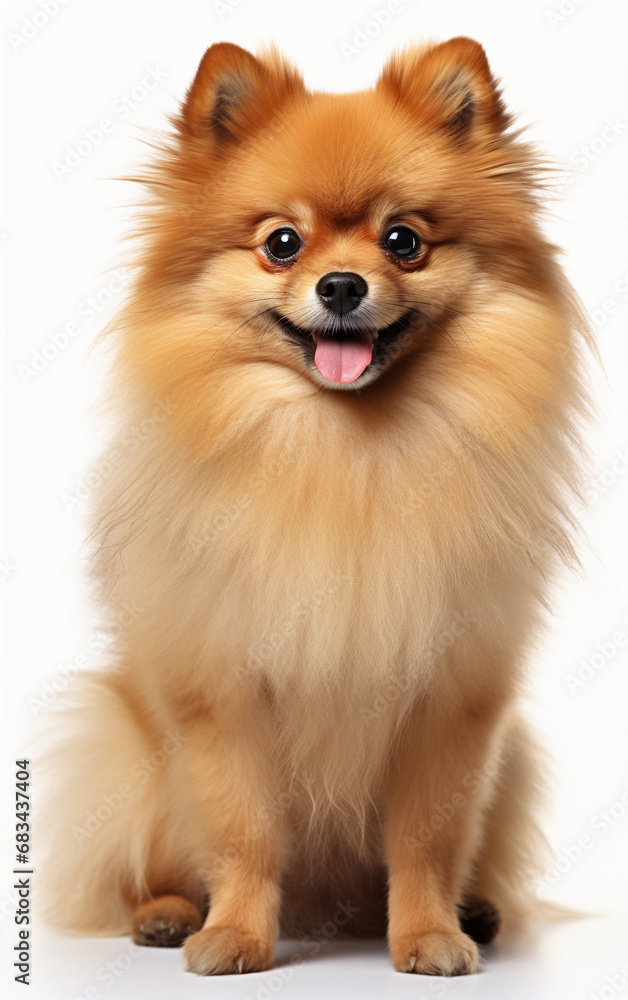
[251, 319]
[424, 309]
[311, 320]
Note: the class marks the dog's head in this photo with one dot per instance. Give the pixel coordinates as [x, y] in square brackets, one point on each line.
[331, 240]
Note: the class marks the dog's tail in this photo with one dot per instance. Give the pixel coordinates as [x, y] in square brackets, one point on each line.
[101, 777]
[514, 867]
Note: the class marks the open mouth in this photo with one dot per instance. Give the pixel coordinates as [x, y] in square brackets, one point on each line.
[342, 356]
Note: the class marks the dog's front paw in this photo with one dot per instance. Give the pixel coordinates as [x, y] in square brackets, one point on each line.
[217, 951]
[438, 953]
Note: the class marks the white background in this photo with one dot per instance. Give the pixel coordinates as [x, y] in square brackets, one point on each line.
[564, 71]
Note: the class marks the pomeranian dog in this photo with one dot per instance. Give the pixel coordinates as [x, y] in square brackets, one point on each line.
[347, 393]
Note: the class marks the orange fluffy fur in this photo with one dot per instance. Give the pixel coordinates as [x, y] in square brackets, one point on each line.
[313, 701]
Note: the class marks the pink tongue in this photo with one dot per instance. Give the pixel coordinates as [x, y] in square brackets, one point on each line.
[343, 360]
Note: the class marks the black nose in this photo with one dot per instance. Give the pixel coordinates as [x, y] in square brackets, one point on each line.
[341, 291]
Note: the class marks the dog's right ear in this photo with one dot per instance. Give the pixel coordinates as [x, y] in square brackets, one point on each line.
[451, 84]
[234, 93]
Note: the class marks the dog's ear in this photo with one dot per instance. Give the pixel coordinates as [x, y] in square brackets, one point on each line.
[451, 84]
[234, 93]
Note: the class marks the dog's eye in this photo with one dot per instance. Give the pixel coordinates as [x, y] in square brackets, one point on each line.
[402, 242]
[283, 244]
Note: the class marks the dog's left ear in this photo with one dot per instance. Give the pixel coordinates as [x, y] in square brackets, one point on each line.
[234, 94]
[450, 84]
